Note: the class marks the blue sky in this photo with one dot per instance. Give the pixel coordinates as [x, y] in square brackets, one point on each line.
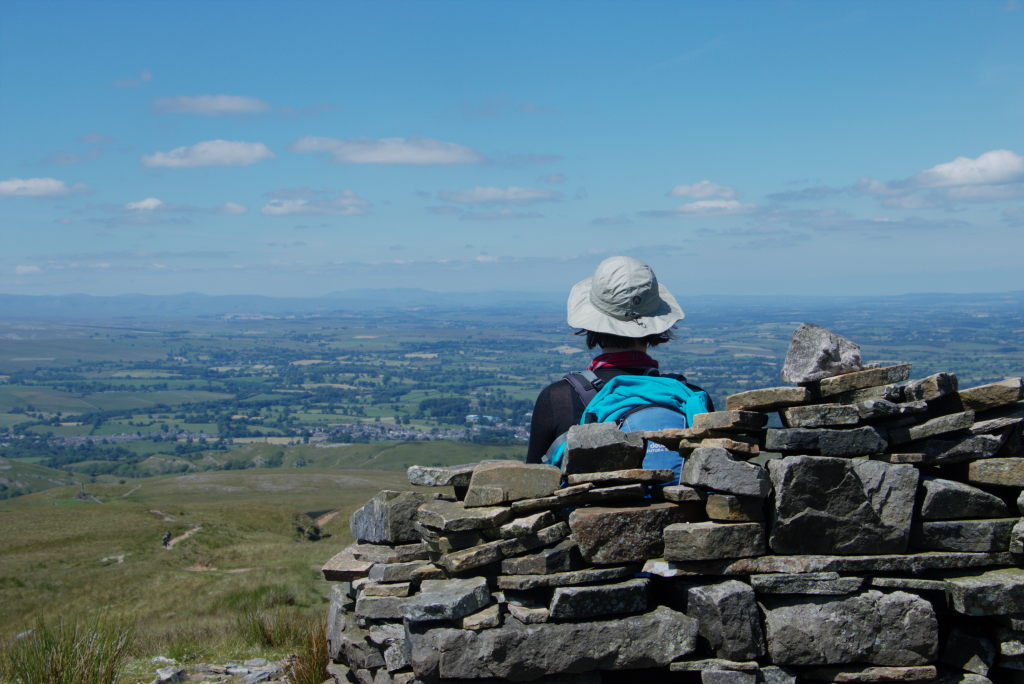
[303, 148]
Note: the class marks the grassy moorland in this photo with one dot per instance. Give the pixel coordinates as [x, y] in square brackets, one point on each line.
[238, 557]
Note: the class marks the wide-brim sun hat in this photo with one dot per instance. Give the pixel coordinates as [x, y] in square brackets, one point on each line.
[623, 298]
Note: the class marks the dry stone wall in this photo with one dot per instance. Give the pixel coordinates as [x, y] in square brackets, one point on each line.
[856, 526]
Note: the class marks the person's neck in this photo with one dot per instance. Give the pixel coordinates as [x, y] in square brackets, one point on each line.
[638, 347]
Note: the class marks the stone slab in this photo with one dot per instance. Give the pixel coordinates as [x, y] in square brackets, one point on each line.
[717, 469]
[395, 572]
[449, 599]
[487, 618]
[525, 525]
[589, 495]
[729, 421]
[344, 567]
[452, 516]
[617, 477]
[915, 673]
[648, 640]
[767, 399]
[381, 607]
[862, 441]
[441, 476]
[683, 494]
[962, 450]
[386, 589]
[382, 553]
[882, 409]
[500, 482]
[627, 534]
[963, 535]
[847, 382]
[910, 563]
[996, 592]
[908, 583]
[992, 395]
[933, 387]
[940, 425]
[1003, 472]
[695, 541]
[585, 602]
[821, 415]
[472, 558]
[541, 538]
[564, 579]
[951, 500]
[811, 583]
[562, 557]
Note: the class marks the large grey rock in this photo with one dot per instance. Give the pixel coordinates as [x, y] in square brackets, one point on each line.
[715, 468]
[768, 399]
[381, 607]
[499, 482]
[996, 592]
[441, 476]
[624, 535]
[689, 541]
[815, 353]
[448, 599]
[963, 535]
[649, 640]
[598, 447]
[729, 618]
[848, 382]
[837, 506]
[388, 518]
[581, 603]
[861, 441]
[870, 627]
[345, 567]
[952, 500]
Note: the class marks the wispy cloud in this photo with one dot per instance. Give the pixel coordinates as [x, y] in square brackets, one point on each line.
[806, 194]
[494, 195]
[347, 203]
[148, 204]
[505, 214]
[135, 81]
[210, 153]
[703, 190]
[411, 151]
[26, 269]
[715, 207]
[37, 187]
[210, 105]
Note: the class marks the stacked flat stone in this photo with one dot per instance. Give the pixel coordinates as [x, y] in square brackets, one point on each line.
[873, 537]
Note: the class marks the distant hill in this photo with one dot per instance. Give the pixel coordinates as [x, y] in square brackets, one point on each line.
[18, 477]
[186, 305]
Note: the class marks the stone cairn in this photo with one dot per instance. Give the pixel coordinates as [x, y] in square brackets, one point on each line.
[874, 536]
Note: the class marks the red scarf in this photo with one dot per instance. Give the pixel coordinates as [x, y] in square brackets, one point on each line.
[625, 359]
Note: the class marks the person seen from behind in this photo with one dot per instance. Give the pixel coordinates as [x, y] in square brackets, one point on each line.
[624, 312]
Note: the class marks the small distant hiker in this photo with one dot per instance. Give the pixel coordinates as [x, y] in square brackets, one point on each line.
[625, 311]
[167, 539]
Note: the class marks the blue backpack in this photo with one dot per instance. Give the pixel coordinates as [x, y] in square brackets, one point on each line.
[636, 402]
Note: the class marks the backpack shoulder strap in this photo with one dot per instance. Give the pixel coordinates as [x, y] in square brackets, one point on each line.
[585, 384]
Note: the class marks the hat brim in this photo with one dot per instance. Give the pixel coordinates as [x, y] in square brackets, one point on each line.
[581, 313]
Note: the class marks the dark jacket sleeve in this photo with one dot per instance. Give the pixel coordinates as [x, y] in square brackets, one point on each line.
[542, 427]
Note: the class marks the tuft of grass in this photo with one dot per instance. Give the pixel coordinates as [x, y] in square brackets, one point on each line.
[309, 664]
[68, 651]
[281, 627]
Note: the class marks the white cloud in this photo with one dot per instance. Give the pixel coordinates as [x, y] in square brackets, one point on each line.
[210, 153]
[148, 204]
[986, 193]
[416, 151]
[347, 203]
[997, 166]
[871, 186]
[23, 269]
[210, 105]
[703, 190]
[35, 187]
[493, 195]
[722, 207]
[908, 202]
[232, 208]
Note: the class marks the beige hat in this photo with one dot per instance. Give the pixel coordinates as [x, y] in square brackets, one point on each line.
[623, 298]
